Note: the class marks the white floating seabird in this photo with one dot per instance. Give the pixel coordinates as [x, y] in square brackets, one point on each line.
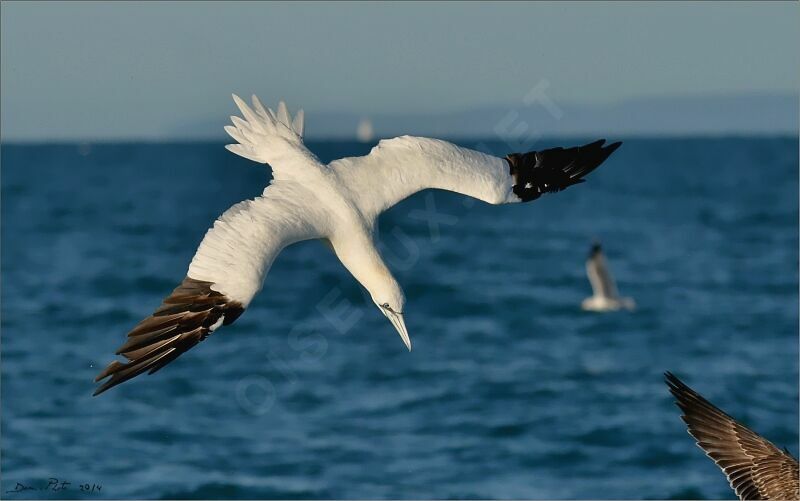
[604, 290]
[755, 468]
[337, 203]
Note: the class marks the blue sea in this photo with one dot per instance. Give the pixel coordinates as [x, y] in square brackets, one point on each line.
[511, 391]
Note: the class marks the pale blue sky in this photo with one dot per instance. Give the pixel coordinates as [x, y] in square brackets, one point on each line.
[115, 70]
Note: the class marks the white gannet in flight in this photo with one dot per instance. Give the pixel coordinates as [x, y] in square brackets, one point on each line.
[337, 203]
[755, 468]
[604, 291]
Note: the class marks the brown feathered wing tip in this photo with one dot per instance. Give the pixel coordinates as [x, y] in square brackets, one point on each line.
[185, 317]
[755, 468]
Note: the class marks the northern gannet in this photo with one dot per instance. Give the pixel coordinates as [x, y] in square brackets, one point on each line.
[755, 468]
[604, 290]
[337, 203]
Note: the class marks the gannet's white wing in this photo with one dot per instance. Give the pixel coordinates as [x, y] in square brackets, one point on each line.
[603, 284]
[399, 167]
[755, 468]
[225, 274]
[265, 136]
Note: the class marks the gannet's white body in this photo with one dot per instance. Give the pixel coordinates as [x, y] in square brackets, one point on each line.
[338, 202]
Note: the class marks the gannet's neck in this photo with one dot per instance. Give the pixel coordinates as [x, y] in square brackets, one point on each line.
[357, 252]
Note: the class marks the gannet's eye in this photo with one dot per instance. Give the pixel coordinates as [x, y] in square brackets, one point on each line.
[385, 305]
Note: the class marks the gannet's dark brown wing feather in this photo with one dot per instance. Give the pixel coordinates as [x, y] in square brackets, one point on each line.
[185, 317]
[755, 468]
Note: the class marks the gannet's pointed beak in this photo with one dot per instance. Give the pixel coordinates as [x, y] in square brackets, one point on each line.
[400, 325]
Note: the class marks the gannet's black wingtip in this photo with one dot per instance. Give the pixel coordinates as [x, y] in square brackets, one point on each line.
[611, 148]
[555, 169]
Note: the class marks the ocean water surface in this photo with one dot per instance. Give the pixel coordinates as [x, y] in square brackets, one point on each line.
[511, 390]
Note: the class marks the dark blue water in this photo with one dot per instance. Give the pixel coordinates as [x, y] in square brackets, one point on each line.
[511, 390]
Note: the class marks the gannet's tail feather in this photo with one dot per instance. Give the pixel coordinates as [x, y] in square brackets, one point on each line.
[256, 133]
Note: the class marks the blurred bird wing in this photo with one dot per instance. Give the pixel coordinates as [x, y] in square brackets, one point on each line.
[600, 277]
[755, 468]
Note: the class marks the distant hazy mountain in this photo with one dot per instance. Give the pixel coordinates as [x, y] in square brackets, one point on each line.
[711, 115]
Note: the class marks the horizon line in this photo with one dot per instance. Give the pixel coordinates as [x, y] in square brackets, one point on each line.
[455, 138]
